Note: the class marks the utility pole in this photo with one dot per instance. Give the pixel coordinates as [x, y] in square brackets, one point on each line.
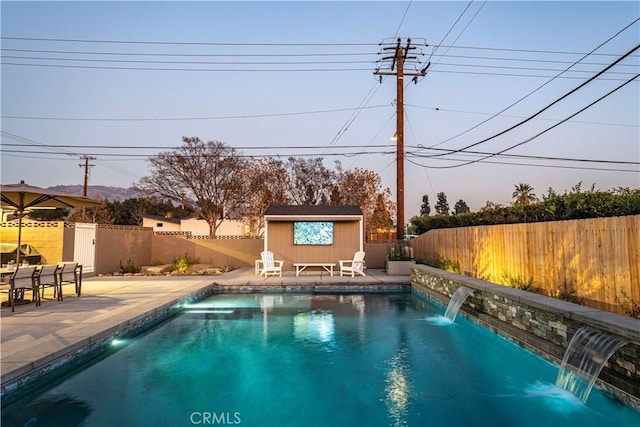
[398, 60]
[86, 166]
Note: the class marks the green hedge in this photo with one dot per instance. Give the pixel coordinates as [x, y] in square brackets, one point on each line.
[575, 204]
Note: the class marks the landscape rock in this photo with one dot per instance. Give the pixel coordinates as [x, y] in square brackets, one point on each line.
[158, 269]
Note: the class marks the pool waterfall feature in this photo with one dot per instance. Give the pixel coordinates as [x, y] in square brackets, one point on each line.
[585, 357]
[456, 302]
[583, 360]
[542, 325]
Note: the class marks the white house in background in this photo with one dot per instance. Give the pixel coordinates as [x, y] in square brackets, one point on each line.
[197, 227]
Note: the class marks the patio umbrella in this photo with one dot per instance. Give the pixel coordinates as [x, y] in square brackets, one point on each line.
[20, 197]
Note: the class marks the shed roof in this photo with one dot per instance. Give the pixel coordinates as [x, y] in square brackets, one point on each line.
[161, 218]
[313, 212]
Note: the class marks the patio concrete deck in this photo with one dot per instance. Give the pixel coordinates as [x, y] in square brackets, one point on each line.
[33, 337]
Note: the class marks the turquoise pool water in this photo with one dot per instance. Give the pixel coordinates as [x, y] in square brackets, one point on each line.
[315, 360]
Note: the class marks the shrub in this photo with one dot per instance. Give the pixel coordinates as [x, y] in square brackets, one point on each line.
[629, 305]
[400, 251]
[182, 264]
[130, 267]
[518, 282]
[446, 264]
[574, 204]
[569, 295]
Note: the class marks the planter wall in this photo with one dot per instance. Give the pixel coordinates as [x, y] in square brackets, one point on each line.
[399, 268]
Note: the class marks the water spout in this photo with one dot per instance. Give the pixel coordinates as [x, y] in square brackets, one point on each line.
[585, 357]
[456, 302]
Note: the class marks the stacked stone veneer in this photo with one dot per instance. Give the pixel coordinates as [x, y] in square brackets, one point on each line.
[541, 324]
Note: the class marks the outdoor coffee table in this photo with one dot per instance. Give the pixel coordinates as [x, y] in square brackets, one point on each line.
[301, 266]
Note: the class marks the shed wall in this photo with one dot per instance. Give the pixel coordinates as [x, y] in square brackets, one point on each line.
[346, 241]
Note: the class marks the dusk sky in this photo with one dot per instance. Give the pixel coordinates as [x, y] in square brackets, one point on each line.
[122, 81]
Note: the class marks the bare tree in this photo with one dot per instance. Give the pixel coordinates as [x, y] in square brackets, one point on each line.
[310, 181]
[94, 214]
[206, 177]
[267, 183]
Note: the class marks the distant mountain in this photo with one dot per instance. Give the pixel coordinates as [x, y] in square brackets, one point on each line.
[99, 192]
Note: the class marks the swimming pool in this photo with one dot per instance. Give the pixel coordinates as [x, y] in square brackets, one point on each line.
[316, 360]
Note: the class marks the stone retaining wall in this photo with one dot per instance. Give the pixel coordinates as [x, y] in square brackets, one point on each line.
[541, 324]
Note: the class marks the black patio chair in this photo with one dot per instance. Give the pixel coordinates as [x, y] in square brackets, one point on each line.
[21, 281]
[47, 277]
[70, 273]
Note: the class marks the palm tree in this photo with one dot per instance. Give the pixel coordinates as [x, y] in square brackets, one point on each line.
[524, 195]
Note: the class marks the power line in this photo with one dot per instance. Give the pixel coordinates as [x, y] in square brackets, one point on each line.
[234, 44]
[32, 141]
[146, 147]
[169, 43]
[450, 110]
[241, 116]
[435, 48]
[119, 61]
[544, 84]
[546, 130]
[230, 55]
[258, 44]
[416, 153]
[366, 99]
[536, 60]
[464, 29]
[553, 52]
[278, 55]
[105, 162]
[276, 70]
[226, 70]
[26, 142]
[52, 147]
[354, 115]
[133, 61]
[524, 156]
[540, 166]
[402, 20]
[426, 172]
[368, 146]
[551, 104]
[347, 154]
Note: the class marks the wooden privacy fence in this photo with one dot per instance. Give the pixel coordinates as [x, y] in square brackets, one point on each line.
[596, 259]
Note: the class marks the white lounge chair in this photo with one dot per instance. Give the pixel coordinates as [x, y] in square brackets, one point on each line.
[269, 265]
[354, 266]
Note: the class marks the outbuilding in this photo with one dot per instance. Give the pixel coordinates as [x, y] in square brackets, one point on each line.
[313, 233]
